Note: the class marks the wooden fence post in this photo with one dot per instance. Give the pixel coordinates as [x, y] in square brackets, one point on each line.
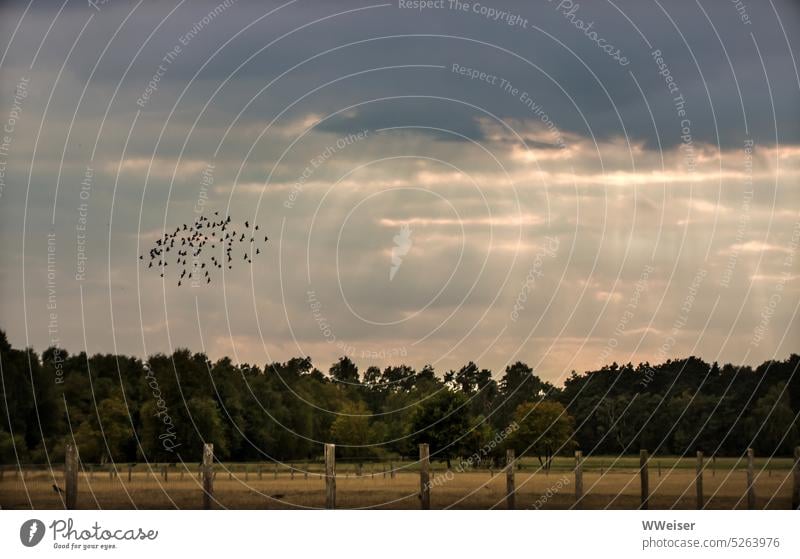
[130, 472]
[330, 476]
[260, 473]
[645, 478]
[391, 470]
[751, 482]
[578, 478]
[276, 470]
[71, 476]
[166, 475]
[511, 490]
[291, 466]
[701, 503]
[796, 485]
[208, 474]
[424, 477]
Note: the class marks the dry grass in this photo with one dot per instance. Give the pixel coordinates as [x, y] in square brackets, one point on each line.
[619, 489]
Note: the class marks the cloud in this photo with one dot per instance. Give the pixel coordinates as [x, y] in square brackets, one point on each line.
[594, 155]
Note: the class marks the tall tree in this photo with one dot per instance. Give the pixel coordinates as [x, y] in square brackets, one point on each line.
[517, 386]
[344, 371]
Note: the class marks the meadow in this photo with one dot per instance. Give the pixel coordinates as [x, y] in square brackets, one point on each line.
[609, 483]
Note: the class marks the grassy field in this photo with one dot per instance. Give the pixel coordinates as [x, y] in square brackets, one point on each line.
[609, 482]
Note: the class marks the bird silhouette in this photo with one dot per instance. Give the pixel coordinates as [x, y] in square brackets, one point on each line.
[196, 238]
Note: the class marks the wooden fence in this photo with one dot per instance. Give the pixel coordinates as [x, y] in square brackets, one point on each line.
[207, 475]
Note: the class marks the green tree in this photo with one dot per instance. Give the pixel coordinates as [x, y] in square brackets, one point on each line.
[13, 450]
[517, 386]
[543, 428]
[352, 427]
[344, 371]
[772, 422]
[89, 442]
[206, 426]
[441, 421]
[116, 428]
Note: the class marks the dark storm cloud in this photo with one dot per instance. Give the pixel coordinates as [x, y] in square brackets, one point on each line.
[599, 87]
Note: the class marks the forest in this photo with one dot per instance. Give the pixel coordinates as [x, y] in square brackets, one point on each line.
[119, 408]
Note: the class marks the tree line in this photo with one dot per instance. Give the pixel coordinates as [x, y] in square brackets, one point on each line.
[117, 407]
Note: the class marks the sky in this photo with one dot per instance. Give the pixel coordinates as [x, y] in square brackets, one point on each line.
[565, 184]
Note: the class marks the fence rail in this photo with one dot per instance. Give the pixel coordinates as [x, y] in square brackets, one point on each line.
[76, 474]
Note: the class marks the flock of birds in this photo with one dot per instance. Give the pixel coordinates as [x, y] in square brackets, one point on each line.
[189, 245]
